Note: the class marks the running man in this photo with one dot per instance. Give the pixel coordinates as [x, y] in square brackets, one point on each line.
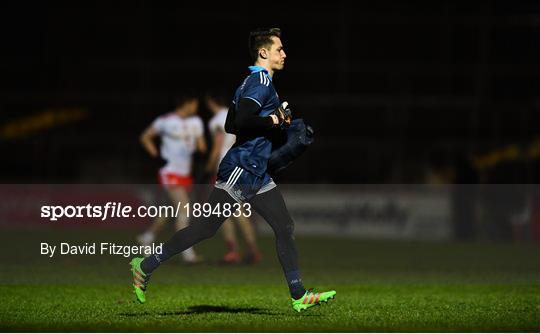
[181, 133]
[256, 117]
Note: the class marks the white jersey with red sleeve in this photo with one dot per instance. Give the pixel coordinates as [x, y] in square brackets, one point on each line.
[217, 123]
[178, 141]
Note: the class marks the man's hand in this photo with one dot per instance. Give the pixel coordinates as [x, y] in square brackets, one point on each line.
[283, 114]
[147, 141]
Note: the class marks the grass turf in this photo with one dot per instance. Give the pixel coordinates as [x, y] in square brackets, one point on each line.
[382, 286]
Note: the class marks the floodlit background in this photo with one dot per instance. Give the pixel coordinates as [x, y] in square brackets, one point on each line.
[417, 202]
[397, 92]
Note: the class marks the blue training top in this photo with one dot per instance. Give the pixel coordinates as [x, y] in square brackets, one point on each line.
[253, 154]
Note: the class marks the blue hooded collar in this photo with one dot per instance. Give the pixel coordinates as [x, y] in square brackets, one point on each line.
[257, 68]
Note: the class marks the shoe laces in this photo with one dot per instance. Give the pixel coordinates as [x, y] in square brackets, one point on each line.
[145, 279]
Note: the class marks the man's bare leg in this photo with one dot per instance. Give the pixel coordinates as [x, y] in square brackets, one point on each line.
[246, 227]
[229, 235]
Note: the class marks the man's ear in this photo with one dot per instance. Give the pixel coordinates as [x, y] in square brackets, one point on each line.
[263, 53]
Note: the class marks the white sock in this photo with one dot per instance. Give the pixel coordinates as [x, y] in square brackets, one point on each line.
[146, 238]
[189, 254]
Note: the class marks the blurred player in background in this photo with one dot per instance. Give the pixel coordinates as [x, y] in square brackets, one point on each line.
[257, 118]
[222, 142]
[181, 133]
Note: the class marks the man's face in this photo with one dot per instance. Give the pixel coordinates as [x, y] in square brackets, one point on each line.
[194, 107]
[276, 54]
[212, 105]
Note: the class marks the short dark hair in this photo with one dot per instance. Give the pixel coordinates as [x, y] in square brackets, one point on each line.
[183, 99]
[217, 97]
[260, 38]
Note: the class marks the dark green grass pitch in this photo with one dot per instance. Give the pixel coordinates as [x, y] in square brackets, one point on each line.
[382, 286]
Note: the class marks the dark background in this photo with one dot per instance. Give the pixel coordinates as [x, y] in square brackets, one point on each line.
[398, 92]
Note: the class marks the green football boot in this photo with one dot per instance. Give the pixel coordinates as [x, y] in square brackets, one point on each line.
[140, 279]
[310, 299]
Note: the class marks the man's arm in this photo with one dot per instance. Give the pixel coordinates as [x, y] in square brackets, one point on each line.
[201, 144]
[247, 118]
[147, 141]
[211, 165]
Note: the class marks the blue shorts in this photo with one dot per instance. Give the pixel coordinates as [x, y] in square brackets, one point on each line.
[240, 183]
